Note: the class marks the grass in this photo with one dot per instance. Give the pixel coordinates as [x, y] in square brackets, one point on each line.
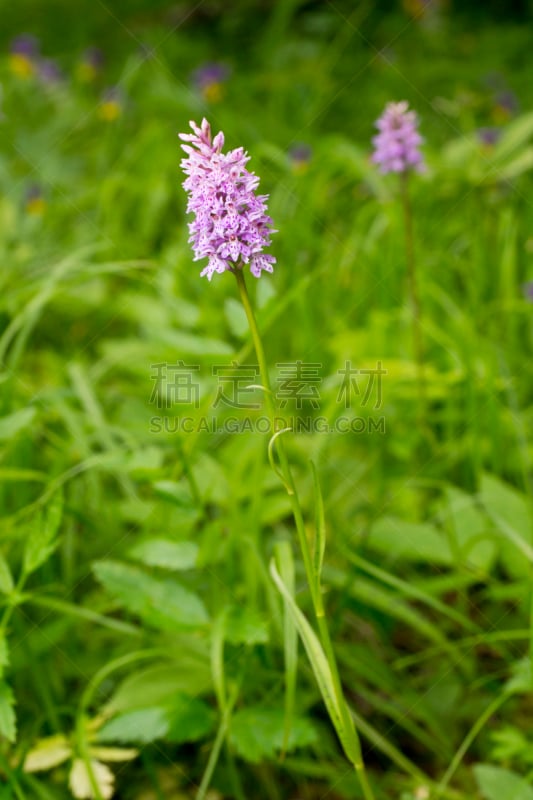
[141, 630]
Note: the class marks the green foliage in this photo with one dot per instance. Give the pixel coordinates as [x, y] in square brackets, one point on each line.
[258, 733]
[8, 724]
[161, 602]
[496, 782]
[43, 539]
[174, 556]
[136, 604]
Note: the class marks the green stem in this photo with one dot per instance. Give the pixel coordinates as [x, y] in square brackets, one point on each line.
[296, 508]
[469, 738]
[414, 297]
[217, 746]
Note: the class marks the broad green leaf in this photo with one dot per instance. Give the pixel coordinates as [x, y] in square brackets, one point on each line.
[161, 602]
[471, 530]
[6, 579]
[496, 783]
[258, 733]
[190, 719]
[182, 719]
[156, 686]
[8, 727]
[517, 166]
[47, 753]
[510, 513]
[141, 726]
[16, 422]
[517, 133]
[42, 540]
[409, 541]
[521, 680]
[509, 743]
[245, 626]
[174, 491]
[166, 554]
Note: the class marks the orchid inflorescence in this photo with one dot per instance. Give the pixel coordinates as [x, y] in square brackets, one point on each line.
[231, 226]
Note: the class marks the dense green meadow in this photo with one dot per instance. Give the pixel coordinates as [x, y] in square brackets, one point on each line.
[152, 583]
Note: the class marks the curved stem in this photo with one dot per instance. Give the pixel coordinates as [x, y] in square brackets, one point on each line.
[305, 549]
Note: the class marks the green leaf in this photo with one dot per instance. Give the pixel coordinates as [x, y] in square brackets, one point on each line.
[510, 513]
[517, 133]
[141, 726]
[285, 562]
[6, 579]
[257, 733]
[409, 541]
[11, 425]
[8, 726]
[245, 626]
[496, 783]
[176, 492]
[322, 672]
[184, 719]
[47, 753]
[320, 530]
[4, 653]
[166, 554]
[163, 603]
[521, 680]
[471, 530]
[42, 540]
[190, 719]
[156, 686]
[517, 166]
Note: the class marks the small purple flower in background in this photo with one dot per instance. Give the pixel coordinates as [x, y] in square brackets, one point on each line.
[489, 136]
[34, 201]
[48, 72]
[505, 105]
[24, 52]
[527, 290]
[209, 79]
[300, 155]
[112, 104]
[231, 226]
[396, 146]
[90, 64]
